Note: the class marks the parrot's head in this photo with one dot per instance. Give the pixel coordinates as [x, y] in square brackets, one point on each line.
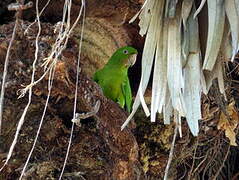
[124, 57]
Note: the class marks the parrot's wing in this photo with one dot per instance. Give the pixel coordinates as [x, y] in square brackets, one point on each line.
[127, 94]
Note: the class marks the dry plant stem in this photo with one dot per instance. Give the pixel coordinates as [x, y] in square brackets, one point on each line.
[73, 124]
[79, 116]
[21, 121]
[77, 80]
[194, 155]
[5, 72]
[51, 68]
[50, 82]
[212, 157]
[200, 164]
[68, 151]
[39, 16]
[170, 158]
[18, 15]
[57, 48]
[224, 160]
[183, 176]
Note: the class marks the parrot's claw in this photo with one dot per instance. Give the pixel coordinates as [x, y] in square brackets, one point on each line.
[79, 116]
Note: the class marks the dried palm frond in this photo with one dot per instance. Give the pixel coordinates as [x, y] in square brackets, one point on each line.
[182, 70]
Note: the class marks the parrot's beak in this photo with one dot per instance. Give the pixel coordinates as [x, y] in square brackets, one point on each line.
[132, 60]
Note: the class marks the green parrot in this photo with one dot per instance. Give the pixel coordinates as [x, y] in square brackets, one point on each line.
[113, 77]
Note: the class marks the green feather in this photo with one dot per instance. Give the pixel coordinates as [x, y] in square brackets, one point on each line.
[113, 77]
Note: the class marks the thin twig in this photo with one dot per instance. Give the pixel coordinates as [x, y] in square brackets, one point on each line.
[50, 82]
[39, 16]
[5, 72]
[170, 158]
[194, 155]
[223, 162]
[79, 116]
[22, 119]
[212, 158]
[20, 6]
[77, 81]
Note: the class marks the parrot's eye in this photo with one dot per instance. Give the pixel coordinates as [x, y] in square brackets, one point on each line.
[125, 51]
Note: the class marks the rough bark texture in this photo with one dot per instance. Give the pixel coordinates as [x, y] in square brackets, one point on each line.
[118, 150]
[99, 149]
